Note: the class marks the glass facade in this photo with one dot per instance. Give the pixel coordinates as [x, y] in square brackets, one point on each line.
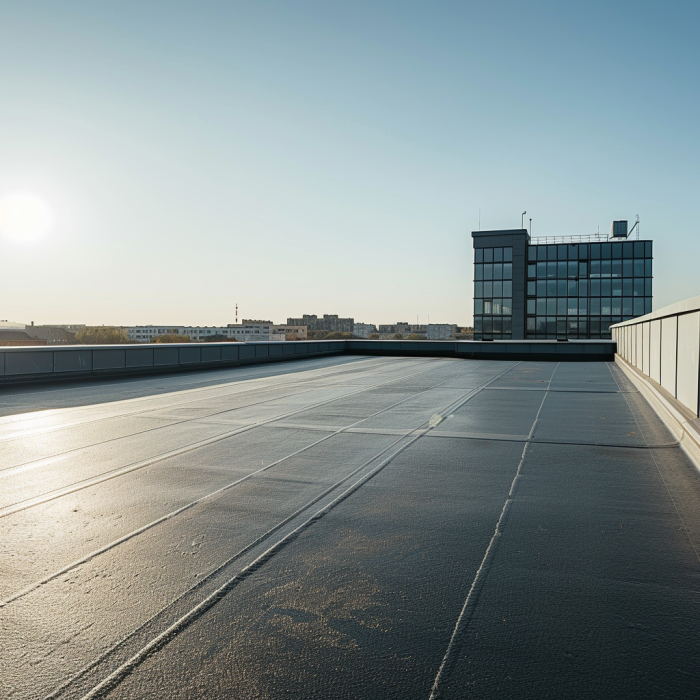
[493, 292]
[573, 290]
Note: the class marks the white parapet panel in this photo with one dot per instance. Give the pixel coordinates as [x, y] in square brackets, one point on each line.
[665, 346]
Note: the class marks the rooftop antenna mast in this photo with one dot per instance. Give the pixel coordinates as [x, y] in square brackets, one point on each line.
[236, 314]
[636, 226]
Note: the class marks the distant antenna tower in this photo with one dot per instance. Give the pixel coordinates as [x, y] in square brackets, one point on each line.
[236, 314]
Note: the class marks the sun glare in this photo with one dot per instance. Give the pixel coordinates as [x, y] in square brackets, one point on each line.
[24, 216]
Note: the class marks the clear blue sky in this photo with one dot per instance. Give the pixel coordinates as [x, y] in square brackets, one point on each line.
[332, 157]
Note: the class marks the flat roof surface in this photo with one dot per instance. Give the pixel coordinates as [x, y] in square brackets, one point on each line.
[348, 527]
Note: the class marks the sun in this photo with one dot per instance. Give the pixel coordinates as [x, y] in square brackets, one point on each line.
[24, 216]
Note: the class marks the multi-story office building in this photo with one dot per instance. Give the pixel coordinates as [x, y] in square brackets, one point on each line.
[558, 288]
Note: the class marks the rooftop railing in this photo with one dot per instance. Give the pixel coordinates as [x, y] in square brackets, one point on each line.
[585, 238]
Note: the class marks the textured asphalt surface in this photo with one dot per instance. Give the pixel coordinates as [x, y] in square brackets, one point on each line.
[347, 527]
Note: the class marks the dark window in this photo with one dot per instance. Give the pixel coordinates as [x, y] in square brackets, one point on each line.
[605, 288]
[616, 268]
[583, 269]
[498, 288]
[639, 249]
[616, 287]
[627, 268]
[605, 306]
[572, 288]
[627, 283]
[488, 255]
[647, 250]
[531, 306]
[541, 270]
[498, 271]
[573, 252]
[572, 307]
[551, 252]
[616, 251]
[638, 306]
[639, 268]
[479, 255]
[605, 251]
[647, 268]
[561, 252]
[541, 252]
[498, 254]
[507, 271]
[647, 305]
[595, 251]
[488, 271]
[647, 287]
[573, 268]
[551, 306]
[508, 254]
[595, 306]
[561, 288]
[551, 288]
[531, 289]
[507, 307]
[541, 288]
[541, 306]
[595, 288]
[583, 305]
[583, 288]
[551, 269]
[478, 306]
[507, 288]
[627, 306]
[531, 325]
[478, 289]
[478, 272]
[532, 253]
[532, 270]
[488, 289]
[561, 306]
[628, 250]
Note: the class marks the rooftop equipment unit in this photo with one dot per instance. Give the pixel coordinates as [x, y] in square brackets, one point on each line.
[618, 229]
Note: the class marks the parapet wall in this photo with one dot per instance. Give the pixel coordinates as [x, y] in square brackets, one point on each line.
[664, 346]
[28, 364]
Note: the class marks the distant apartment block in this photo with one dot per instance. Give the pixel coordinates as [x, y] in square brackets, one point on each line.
[441, 331]
[330, 323]
[363, 330]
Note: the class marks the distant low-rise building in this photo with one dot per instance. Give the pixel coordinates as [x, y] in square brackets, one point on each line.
[10, 337]
[54, 334]
[246, 332]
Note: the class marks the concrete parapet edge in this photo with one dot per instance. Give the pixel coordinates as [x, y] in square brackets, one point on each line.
[677, 418]
[64, 363]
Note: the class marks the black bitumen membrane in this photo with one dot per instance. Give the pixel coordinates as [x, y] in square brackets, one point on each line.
[348, 528]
